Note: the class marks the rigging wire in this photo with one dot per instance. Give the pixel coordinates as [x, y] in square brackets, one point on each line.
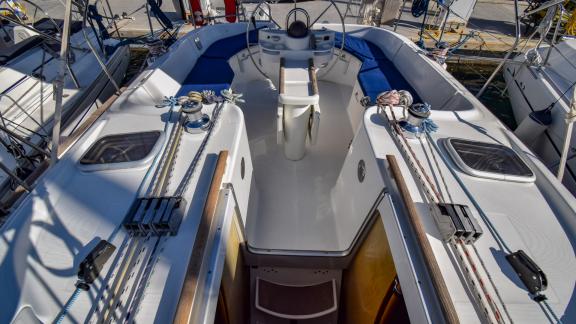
[553, 104]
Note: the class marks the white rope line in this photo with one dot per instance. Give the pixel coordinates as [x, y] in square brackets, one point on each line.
[432, 151]
[421, 174]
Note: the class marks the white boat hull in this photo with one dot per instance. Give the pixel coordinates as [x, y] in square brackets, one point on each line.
[531, 89]
[36, 103]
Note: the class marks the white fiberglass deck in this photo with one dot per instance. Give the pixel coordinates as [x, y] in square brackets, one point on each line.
[291, 205]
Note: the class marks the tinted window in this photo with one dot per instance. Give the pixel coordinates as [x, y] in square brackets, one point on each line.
[121, 148]
[488, 157]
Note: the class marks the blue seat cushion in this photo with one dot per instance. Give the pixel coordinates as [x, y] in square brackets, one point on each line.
[372, 80]
[212, 71]
[209, 70]
[227, 47]
[360, 48]
[377, 73]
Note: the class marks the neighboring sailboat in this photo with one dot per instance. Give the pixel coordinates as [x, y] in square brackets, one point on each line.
[540, 92]
[261, 172]
[29, 59]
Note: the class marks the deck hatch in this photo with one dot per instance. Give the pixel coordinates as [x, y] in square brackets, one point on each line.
[121, 148]
[488, 160]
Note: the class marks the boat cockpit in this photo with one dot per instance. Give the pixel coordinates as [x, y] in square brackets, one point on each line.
[297, 173]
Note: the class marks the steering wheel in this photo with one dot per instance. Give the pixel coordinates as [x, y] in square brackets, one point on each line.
[295, 10]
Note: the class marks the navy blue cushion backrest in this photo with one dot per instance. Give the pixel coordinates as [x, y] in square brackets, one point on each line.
[360, 48]
[377, 73]
[227, 47]
[212, 71]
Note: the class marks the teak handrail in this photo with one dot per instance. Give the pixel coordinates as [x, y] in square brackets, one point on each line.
[189, 288]
[446, 304]
[313, 79]
[281, 75]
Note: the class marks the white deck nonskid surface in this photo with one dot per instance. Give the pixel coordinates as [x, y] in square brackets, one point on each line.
[316, 204]
[292, 208]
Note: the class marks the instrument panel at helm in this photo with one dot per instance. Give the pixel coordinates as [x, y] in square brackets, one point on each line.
[279, 40]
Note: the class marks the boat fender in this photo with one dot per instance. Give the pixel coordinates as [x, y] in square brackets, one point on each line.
[533, 125]
[230, 8]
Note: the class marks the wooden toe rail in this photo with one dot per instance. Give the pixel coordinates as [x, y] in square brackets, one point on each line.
[446, 304]
[190, 286]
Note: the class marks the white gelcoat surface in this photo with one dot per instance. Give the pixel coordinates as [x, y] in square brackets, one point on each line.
[299, 206]
[294, 210]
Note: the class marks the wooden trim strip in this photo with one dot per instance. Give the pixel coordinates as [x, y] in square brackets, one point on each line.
[448, 310]
[188, 293]
[313, 79]
[281, 81]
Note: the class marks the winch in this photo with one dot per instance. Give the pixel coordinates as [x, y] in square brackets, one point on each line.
[414, 122]
[196, 121]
